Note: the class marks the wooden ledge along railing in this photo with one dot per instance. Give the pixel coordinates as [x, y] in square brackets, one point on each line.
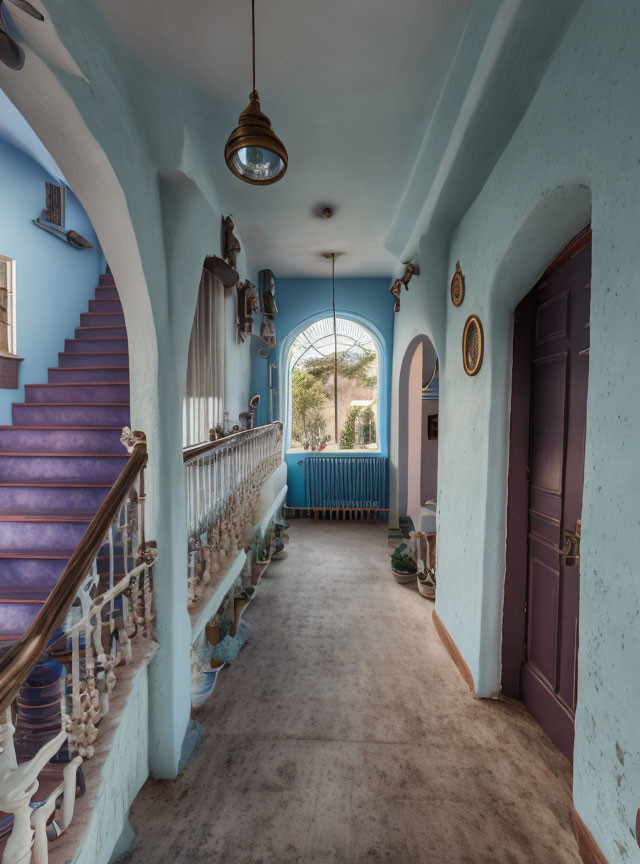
[56, 679]
[223, 482]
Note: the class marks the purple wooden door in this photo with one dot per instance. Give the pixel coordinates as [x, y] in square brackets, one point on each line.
[559, 377]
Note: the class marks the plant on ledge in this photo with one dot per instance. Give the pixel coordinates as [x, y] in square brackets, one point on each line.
[348, 434]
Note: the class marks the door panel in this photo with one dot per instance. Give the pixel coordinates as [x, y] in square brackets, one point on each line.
[542, 637]
[548, 423]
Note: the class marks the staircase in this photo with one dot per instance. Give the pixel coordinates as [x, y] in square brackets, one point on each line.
[60, 458]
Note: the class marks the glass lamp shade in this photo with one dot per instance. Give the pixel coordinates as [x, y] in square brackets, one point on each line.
[254, 153]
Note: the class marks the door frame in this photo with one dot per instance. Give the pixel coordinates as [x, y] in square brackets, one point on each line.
[514, 636]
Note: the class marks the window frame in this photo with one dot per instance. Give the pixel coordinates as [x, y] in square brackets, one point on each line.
[381, 396]
[11, 298]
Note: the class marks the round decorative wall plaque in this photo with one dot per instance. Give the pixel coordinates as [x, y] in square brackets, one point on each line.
[472, 345]
[457, 286]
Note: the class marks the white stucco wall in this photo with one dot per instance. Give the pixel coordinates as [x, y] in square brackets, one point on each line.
[575, 155]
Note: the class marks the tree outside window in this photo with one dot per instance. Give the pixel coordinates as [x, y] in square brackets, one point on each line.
[313, 360]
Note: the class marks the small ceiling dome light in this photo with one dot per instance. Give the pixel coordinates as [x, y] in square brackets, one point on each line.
[254, 153]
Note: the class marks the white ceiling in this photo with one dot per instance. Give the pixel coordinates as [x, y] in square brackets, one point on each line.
[349, 86]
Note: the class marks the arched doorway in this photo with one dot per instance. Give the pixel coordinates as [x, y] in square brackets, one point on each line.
[546, 473]
[418, 434]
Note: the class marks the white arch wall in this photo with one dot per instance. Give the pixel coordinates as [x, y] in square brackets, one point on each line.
[91, 120]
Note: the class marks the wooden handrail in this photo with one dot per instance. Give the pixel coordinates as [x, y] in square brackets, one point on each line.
[18, 661]
[200, 449]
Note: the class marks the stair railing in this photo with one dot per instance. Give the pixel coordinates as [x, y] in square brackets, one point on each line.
[100, 608]
[223, 482]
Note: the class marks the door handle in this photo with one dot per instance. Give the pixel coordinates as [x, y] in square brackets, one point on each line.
[571, 545]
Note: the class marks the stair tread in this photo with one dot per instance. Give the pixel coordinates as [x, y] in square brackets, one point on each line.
[58, 453]
[25, 593]
[80, 383]
[28, 598]
[54, 484]
[46, 554]
[70, 428]
[48, 516]
[90, 327]
[73, 404]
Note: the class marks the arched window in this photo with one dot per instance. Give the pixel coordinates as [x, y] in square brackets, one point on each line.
[329, 412]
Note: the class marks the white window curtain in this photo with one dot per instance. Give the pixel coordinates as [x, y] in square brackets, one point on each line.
[203, 405]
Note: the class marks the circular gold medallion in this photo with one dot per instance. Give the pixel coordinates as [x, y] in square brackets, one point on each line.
[457, 286]
[472, 345]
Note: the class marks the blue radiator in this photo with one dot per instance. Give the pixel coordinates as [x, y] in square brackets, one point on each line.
[346, 481]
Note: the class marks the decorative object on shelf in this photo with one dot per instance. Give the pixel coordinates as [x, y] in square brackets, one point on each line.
[11, 54]
[472, 345]
[457, 286]
[432, 427]
[221, 270]
[52, 218]
[272, 389]
[248, 306]
[396, 288]
[267, 282]
[268, 332]
[230, 243]
[431, 390]
[250, 415]
[253, 152]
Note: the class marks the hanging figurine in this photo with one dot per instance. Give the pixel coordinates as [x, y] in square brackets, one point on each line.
[267, 282]
[248, 306]
[268, 331]
[396, 288]
[230, 243]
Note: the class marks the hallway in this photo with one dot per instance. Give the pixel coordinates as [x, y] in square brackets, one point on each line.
[344, 733]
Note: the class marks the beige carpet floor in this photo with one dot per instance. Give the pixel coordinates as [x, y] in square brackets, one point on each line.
[344, 733]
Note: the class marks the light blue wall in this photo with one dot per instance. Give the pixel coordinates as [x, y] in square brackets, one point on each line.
[53, 281]
[575, 155]
[301, 301]
[148, 187]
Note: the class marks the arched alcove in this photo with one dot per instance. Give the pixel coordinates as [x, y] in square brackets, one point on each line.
[418, 430]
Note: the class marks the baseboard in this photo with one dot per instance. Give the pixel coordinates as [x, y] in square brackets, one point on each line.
[587, 846]
[455, 654]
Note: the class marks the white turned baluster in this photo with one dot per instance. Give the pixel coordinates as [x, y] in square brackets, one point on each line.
[41, 816]
[18, 784]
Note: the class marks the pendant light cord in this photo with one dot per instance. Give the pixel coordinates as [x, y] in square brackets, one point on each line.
[335, 346]
[253, 41]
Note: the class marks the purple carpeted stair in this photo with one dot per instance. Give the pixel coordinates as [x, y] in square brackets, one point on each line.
[60, 458]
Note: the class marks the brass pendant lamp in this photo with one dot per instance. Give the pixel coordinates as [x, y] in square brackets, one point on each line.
[254, 153]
